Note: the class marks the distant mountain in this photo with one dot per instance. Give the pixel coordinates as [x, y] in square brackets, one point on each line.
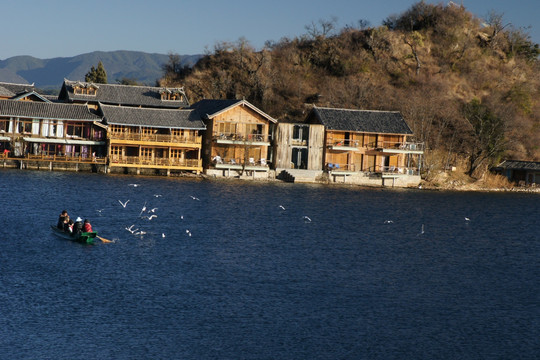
[48, 74]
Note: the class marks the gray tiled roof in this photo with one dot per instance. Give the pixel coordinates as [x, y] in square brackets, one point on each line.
[43, 110]
[17, 88]
[123, 95]
[519, 165]
[5, 92]
[368, 121]
[208, 108]
[164, 118]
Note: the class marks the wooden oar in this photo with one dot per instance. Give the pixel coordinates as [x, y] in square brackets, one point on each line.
[103, 239]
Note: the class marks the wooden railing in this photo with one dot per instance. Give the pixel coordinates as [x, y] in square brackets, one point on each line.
[135, 160]
[156, 138]
[241, 137]
[65, 158]
[239, 161]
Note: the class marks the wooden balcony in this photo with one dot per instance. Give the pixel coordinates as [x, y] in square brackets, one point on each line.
[401, 147]
[160, 139]
[65, 158]
[240, 164]
[241, 139]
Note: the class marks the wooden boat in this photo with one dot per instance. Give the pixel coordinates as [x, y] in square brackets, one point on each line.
[84, 237]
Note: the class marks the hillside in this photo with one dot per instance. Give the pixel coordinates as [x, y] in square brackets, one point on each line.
[48, 74]
[469, 88]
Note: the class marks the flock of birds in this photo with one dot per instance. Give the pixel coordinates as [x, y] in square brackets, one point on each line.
[150, 214]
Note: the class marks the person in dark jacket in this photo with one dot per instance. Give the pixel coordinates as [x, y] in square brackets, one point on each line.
[61, 219]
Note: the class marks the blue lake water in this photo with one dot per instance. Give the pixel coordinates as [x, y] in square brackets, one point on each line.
[254, 281]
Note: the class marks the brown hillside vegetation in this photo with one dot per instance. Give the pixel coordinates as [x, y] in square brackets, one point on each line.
[468, 88]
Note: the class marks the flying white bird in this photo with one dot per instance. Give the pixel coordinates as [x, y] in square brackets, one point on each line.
[388, 221]
[188, 232]
[162, 235]
[151, 217]
[157, 195]
[421, 232]
[153, 210]
[467, 219]
[143, 209]
[130, 229]
[193, 197]
[182, 217]
[306, 218]
[134, 185]
[282, 207]
[123, 204]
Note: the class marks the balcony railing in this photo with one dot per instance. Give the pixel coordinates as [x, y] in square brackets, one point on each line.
[156, 138]
[219, 162]
[66, 158]
[385, 170]
[241, 137]
[407, 146]
[165, 162]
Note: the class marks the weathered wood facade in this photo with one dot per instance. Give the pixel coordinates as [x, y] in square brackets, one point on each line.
[299, 146]
[160, 139]
[238, 136]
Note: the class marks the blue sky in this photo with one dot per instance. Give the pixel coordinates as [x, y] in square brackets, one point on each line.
[63, 28]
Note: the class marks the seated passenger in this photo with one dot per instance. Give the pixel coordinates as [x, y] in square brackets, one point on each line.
[87, 227]
[78, 226]
[61, 219]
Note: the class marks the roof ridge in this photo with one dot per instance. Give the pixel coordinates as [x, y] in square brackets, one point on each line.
[364, 110]
[123, 85]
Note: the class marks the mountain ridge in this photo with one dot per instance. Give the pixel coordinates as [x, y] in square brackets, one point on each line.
[48, 74]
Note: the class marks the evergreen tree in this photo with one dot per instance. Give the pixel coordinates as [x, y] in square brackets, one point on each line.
[96, 75]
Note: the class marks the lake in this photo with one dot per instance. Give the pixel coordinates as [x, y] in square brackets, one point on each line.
[248, 270]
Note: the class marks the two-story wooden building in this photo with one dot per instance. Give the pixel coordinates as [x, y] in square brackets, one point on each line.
[367, 142]
[237, 139]
[150, 138]
[148, 128]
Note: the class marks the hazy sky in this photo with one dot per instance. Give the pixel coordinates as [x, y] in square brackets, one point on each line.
[63, 28]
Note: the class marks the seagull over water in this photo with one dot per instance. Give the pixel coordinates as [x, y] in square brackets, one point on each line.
[193, 197]
[188, 232]
[123, 203]
[467, 219]
[151, 217]
[306, 218]
[421, 232]
[134, 185]
[388, 221]
[282, 207]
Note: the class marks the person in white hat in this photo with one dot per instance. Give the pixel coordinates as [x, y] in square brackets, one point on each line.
[77, 227]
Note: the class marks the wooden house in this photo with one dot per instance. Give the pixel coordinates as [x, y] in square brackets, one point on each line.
[237, 139]
[154, 139]
[44, 131]
[520, 172]
[367, 141]
[299, 146]
[80, 92]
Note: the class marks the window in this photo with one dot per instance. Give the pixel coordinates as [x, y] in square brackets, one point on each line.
[85, 90]
[74, 129]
